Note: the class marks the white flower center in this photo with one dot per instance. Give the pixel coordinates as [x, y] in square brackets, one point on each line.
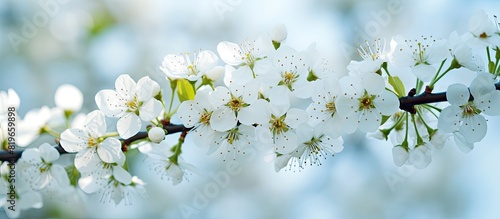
[373, 51]
[366, 102]
[205, 117]
[469, 110]
[44, 167]
[92, 142]
[192, 69]
[419, 49]
[236, 103]
[232, 135]
[330, 107]
[133, 105]
[278, 125]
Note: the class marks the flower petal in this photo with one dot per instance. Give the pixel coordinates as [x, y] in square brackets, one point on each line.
[60, 176]
[423, 71]
[437, 52]
[150, 110]
[421, 156]
[386, 102]
[369, 120]
[189, 112]
[482, 85]
[473, 128]
[457, 94]
[128, 125]
[32, 156]
[145, 88]
[109, 150]
[203, 135]
[462, 144]
[257, 113]
[490, 105]
[449, 119]
[285, 143]
[399, 155]
[206, 60]
[74, 140]
[223, 119]
[48, 153]
[346, 105]
[351, 86]
[121, 175]
[95, 123]
[230, 53]
[373, 83]
[125, 86]
[108, 102]
[219, 96]
[281, 161]
[86, 158]
[295, 117]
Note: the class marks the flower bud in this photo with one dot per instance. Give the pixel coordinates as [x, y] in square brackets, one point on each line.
[400, 155]
[68, 98]
[279, 33]
[421, 156]
[156, 134]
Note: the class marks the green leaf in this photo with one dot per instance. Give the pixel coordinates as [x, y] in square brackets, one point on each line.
[185, 90]
[398, 85]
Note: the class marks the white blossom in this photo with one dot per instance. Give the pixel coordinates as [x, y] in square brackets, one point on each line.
[482, 31]
[197, 114]
[68, 98]
[322, 111]
[181, 66]
[168, 166]
[100, 176]
[420, 156]
[130, 102]
[234, 141]
[280, 129]
[279, 33]
[420, 56]
[39, 170]
[38, 121]
[238, 103]
[290, 70]
[251, 57]
[89, 143]
[317, 67]
[367, 99]
[400, 155]
[464, 115]
[373, 55]
[313, 145]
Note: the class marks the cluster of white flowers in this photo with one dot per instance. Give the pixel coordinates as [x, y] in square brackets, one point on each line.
[260, 94]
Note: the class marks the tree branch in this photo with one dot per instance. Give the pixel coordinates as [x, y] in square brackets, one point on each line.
[407, 103]
[170, 128]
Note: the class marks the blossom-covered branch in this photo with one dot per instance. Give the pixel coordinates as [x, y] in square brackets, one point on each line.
[265, 95]
[170, 129]
[407, 103]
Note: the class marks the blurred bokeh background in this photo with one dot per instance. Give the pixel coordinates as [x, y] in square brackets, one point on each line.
[89, 43]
